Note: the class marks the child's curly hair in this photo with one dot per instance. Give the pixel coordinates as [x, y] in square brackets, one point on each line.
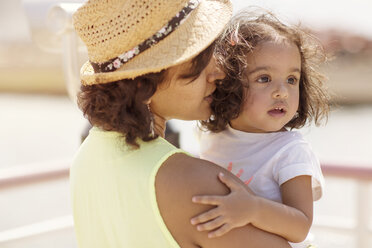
[243, 34]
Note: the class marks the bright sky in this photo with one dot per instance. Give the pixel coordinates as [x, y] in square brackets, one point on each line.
[350, 15]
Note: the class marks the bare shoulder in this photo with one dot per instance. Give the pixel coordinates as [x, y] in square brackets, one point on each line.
[181, 177]
[182, 170]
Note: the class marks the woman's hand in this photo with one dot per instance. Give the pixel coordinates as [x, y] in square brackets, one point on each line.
[236, 209]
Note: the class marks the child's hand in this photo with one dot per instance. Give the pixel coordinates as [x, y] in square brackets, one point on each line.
[233, 210]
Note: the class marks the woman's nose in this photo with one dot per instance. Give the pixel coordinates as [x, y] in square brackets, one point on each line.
[220, 73]
[216, 72]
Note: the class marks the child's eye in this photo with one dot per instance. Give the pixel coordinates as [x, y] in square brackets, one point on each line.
[263, 79]
[292, 80]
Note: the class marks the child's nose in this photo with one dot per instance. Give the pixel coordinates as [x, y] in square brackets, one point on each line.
[280, 91]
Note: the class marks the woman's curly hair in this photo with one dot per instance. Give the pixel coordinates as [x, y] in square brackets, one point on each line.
[243, 34]
[121, 105]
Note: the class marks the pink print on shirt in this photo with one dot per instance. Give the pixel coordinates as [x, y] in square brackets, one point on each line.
[239, 174]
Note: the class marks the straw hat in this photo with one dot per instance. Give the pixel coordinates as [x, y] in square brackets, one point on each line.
[129, 38]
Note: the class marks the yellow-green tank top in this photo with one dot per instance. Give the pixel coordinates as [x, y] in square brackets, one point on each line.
[113, 193]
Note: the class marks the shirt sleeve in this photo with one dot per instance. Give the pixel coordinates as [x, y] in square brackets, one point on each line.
[297, 160]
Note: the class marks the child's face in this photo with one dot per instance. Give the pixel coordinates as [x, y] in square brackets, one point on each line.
[272, 96]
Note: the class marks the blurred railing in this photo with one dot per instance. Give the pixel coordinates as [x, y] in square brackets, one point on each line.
[20, 178]
[23, 175]
[359, 229]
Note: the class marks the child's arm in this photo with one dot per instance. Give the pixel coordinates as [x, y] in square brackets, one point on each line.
[291, 220]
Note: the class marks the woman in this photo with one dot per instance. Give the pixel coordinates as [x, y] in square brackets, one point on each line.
[150, 61]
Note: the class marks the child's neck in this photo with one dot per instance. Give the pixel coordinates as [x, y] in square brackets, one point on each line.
[250, 130]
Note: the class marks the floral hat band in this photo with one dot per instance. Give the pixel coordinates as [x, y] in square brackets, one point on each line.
[116, 63]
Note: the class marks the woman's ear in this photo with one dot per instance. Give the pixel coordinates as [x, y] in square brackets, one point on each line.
[148, 101]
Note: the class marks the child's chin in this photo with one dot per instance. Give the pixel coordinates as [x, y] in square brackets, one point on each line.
[275, 129]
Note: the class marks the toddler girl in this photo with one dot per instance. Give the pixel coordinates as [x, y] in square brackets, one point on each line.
[272, 86]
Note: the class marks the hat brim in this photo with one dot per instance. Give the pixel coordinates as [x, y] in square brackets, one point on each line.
[199, 30]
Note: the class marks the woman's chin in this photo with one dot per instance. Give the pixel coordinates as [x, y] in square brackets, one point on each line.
[206, 116]
[199, 117]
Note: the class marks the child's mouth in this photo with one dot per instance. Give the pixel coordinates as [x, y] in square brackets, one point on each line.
[277, 111]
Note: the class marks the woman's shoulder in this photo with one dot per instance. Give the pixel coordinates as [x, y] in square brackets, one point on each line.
[177, 181]
[180, 169]
[186, 175]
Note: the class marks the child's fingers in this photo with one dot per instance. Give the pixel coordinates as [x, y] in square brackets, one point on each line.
[220, 231]
[206, 216]
[228, 181]
[211, 225]
[207, 199]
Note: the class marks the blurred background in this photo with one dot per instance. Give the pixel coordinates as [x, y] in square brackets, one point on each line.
[41, 126]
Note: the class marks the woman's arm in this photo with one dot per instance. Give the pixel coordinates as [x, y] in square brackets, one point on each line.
[177, 181]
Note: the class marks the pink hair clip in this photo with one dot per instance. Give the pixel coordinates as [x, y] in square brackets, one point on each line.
[232, 41]
[234, 38]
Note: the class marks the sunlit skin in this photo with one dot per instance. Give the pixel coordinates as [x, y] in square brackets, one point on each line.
[182, 98]
[272, 96]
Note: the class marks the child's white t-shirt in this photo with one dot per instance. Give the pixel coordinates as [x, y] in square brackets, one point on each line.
[270, 159]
